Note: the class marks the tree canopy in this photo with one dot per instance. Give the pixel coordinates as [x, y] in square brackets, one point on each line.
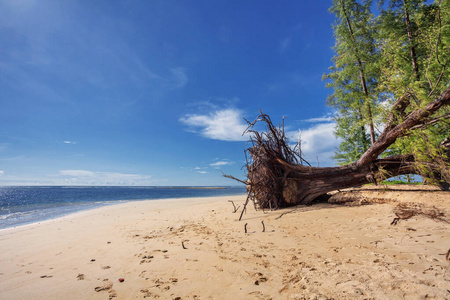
[385, 52]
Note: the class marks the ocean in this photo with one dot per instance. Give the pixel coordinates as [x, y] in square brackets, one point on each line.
[29, 204]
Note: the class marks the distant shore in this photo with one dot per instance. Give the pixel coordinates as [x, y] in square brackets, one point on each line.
[194, 248]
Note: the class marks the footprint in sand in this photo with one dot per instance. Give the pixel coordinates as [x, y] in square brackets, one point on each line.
[106, 287]
[148, 294]
[260, 278]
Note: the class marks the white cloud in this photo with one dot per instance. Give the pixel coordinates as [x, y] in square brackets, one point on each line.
[221, 163]
[77, 173]
[327, 118]
[202, 172]
[70, 142]
[318, 142]
[224, 125]
[319, 138]
[85, 177]
[2, 172]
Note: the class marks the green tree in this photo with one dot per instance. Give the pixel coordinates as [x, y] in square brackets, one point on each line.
[413, 39]
[353, 77]
[398, 58]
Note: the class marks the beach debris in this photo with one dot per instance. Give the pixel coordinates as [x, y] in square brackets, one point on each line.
[121, 280]
[108, 242]
[80, 276]
[245, 227]
[106, 267]
[395, 221]
[264, 227]
[182, 244]
[46, 276]
[285, 213]
[407, 210]
[234, 206]
[92, 260]
[447, 256]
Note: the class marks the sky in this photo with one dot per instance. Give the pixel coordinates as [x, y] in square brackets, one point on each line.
[157, 92]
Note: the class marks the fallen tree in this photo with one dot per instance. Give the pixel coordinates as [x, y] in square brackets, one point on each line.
[278, 175]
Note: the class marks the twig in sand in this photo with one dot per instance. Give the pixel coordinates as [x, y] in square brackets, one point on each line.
[182, 244]
[245, 227]
[395, 221]
[264, 227]
[404, 236]
[234, 206]
[447, 256]
[288, 212]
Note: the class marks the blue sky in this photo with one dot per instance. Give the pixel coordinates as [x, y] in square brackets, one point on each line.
[156, 92]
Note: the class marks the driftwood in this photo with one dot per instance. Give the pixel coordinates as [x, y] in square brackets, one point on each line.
[404, 211]
[278, 176]
[234, 206]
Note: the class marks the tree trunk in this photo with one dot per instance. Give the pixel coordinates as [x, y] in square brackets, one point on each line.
[412, 48]
[361, 75]
[307, 184]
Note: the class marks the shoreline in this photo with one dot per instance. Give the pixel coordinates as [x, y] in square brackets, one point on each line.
[40, 214]
[113, 203]
[196, 249]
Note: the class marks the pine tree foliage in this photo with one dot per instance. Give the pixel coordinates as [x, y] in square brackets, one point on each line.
[353, 77]
[403, 49]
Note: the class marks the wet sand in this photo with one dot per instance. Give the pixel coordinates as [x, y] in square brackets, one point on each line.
[197, 249]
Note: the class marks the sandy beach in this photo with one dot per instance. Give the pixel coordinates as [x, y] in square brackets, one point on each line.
[197, 249]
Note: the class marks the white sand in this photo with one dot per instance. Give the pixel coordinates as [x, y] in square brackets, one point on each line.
[318, 252]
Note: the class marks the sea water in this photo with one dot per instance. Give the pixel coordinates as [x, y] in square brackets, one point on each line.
[29, 204]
